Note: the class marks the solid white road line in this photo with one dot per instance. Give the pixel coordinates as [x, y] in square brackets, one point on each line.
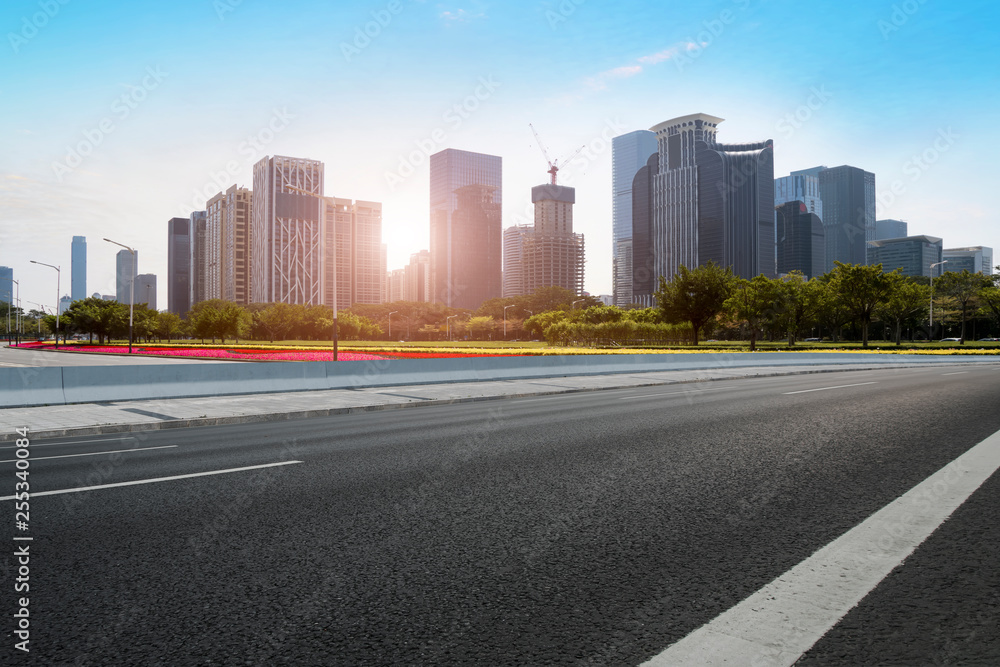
[67, 456]
[35, 494]
[780, 622]
[73, 442]
[841, 386]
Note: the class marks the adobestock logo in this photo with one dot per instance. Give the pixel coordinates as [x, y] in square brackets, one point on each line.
[121, 109]
[31, 25]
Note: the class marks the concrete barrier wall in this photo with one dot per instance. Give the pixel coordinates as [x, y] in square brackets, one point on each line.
[89, 384]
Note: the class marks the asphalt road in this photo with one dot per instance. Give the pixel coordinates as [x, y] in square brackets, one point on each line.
[18, 358]
[594, 528]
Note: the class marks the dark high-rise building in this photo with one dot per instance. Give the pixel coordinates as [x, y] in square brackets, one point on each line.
[179, 266]
[78, 285]
[644, 280]
[890, 229]
[198, 260]
[712, 201]
[629, 153]
[126, 270]
[848, 195]
[466, 239]
[913, 254]
[7, 291]
[801, 243]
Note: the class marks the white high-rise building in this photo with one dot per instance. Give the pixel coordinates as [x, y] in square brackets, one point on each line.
[513, 257]
[974, 259]
[286, 232]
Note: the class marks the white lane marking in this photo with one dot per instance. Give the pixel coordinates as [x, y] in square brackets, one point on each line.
[79, 442]
[780, 622]
[67, 456]
[956, 373]
[840, 386]
[672, 393]
[35, 494]
[546, 398]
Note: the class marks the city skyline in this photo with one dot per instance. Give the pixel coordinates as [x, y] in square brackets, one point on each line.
[909, 100]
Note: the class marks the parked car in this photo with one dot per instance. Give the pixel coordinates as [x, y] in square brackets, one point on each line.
[951, 340]
[989, 340]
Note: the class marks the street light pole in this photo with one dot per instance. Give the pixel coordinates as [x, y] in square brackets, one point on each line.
[931, 332]
[131, 290]
[390, 323]
[505, 320]
[8, 317]
[447, 322]
[58, 278]
[17, 324]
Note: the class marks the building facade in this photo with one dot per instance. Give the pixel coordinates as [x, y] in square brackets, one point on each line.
[78, 287]
[801, 240]
[418, 277]
[800, 186]
[913, 254]
[890, 229]
[466, 199]
[286, 232]
[974, 259]
[711, 201]
[552, 255]
[848, 195]
[513, 259]
[629, 153]
[126, 270]
[179, 266]
[354, 269]
[643, 257]
[145, 290]
[199, 254]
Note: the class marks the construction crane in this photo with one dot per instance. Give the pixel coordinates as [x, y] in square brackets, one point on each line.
[553, 166]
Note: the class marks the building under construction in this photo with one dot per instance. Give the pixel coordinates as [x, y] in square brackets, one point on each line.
[552, 255]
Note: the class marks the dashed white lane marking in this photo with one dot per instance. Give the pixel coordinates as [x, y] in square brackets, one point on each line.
[841, 386]
[955, 373]
[780, 622]
[671, 393]
[77, 442]
[35, 494]
[69, 456]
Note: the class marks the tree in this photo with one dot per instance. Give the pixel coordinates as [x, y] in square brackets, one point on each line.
[752, 302]
[907, 300]
[481, 328]
[695, 295]
[168, 325]
[277, 320]
[862, 289]
[965, 288]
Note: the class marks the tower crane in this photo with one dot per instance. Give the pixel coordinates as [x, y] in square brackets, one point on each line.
[553, 165]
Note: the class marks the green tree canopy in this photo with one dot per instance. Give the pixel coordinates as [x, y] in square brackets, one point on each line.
[695, 295]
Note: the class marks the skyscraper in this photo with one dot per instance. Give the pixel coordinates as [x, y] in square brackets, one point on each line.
[211, 267]
[125, 273]
[643, 260]
[712, 201]
[848, 195]
[629, 153]
[800, 186]
[7, 291]
[286, 233]
[226, 257]
[78, 288]
[513, 259]
[417, 276]
[552, 255]
[354, 232]
[179, 266]
[198, 261]
[801, 242]
[890, 229]
[465, 207]
[145, 289]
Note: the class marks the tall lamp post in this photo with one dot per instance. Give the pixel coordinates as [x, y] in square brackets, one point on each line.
[390, 322]
[8, 315]
[322, 218]
[505, 320]
[931, 332]
[131, 290]
[38, 321]
[58, 278]
[447, 322]
[573, 305]
[17, 321]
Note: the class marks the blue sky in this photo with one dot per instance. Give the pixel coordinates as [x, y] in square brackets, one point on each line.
[174, 100]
